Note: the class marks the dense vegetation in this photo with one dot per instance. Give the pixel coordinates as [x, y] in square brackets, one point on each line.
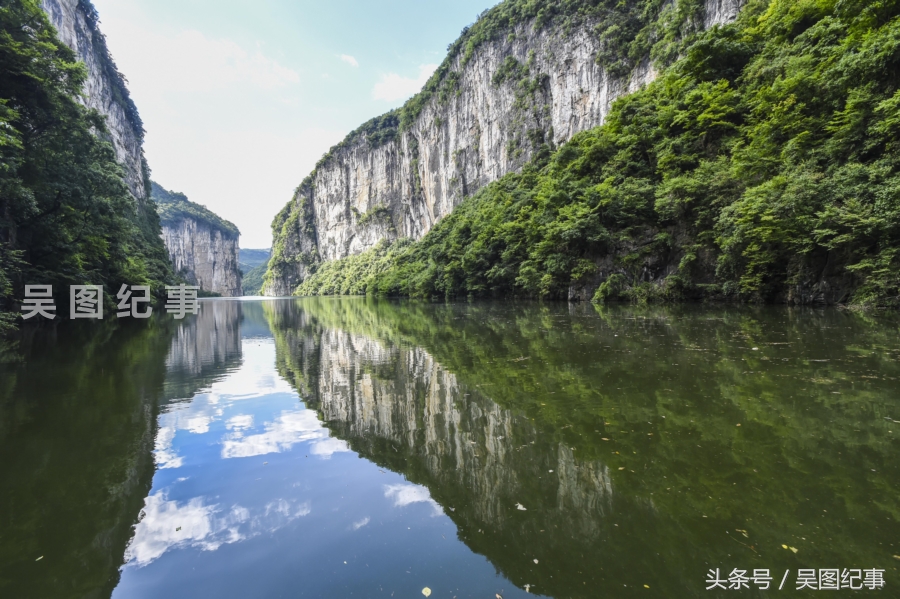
[251, 258]
[254, 264]
[66, 214]
[252, 280]
[630, 31]
[174, 207]
[762, 165]
[78, 412]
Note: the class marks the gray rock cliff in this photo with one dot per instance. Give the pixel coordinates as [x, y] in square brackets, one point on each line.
[490, 113]
[104, 90]
[203, 247]
[205, 256]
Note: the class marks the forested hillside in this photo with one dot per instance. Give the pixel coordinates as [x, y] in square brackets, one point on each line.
[66, 214]
[174, 206]
[762, 165]
[524, 74]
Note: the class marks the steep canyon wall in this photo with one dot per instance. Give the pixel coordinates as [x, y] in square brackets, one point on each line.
[489, 115]
[205, 256]
[204, 248]
[104, 90]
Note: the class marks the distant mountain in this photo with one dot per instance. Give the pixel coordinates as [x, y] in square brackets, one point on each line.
[250, 259]
[253, 279]
[253, 266]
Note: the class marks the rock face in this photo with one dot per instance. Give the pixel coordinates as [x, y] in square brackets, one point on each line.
[488, 116]
[104, 90]
[203, 247]
[205, 256]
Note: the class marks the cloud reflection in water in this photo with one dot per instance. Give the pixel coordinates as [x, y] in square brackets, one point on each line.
[166, 524]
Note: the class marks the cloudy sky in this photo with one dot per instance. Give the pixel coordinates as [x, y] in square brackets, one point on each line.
[240, 99]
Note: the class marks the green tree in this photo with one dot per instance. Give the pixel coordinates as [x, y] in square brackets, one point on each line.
[762, 165]
[65, 209]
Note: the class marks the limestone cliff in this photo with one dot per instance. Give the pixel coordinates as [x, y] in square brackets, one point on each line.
[105, 90]
[488, 109]
[203, 246]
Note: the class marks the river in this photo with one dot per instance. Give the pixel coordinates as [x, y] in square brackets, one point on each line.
[350, 447]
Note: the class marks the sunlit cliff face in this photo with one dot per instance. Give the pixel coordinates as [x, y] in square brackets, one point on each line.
[76, 31]
[364, 193]
[204, 256]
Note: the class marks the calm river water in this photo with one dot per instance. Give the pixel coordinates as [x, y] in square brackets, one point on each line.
[361, 448]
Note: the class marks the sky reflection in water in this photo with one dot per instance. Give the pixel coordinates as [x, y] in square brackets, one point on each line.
[249, 481]
[356, 448]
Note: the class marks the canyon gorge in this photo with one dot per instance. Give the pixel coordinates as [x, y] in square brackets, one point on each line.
[489, 111]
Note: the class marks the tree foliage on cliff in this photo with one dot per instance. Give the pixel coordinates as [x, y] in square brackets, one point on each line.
[174, 207]
[66, 215]
[252, 281]
[766, 159]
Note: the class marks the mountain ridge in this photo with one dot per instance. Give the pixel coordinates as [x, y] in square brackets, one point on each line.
[519, 78]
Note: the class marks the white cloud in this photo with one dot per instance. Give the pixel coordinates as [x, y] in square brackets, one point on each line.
[406, 494]
[328, 447]
[240, 422]
[166, 525]
[393, 87]
[361, 523]
[198, 424]
[287, 430]
[166, 456]
[349, 60]
[191, 61]
[287, 509]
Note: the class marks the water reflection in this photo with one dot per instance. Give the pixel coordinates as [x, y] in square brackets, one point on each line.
[204, 347]
[77, 421]
[329, 447]
[627, 448]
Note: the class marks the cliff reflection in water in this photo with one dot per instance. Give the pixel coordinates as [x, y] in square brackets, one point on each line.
[582, 452]
[203, 348]
[646, 446]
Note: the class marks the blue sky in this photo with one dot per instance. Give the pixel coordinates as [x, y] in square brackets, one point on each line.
[240, 99]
